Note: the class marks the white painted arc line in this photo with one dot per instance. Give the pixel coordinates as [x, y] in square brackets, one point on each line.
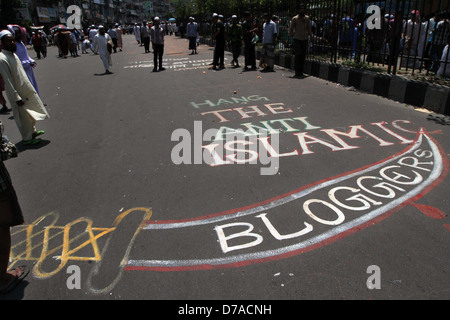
[281, 201]
[436, 172]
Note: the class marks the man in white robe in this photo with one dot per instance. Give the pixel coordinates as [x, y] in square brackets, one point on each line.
[103, 46]
[26, 104]
[137, 33]
[92, 33]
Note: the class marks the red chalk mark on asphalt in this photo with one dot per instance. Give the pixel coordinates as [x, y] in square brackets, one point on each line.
[430, 211]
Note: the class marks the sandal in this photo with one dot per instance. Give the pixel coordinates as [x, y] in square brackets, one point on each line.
[21, 273]
[31, 142]
[38, 133]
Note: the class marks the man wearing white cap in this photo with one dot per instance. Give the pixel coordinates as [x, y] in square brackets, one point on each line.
[137, 33]
[26, 104]
[92, 33]
[235, 36]
[103, 46]
[191, 32]
[157, 38]
[219, 48]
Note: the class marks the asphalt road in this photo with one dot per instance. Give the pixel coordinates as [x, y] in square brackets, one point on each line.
[355, 205]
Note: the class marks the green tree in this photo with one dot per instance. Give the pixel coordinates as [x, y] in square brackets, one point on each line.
[7, 11]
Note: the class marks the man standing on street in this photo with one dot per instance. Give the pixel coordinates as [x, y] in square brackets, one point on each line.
[300, 30]
[219, 36]
[235, 35]
[145, 36]
[113, 34]
[21, 51]
[269, 42]
[119, 36]
[191, 32]
[26, 104]
[248, 31]
[10, 215]
[157, 38]
[137, 33]
[103, 46]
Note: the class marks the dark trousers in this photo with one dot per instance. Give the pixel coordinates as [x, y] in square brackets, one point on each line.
[114, 40]
[300, 47]
[249, 54]
[146, 42]
[436, 55]
[219, 53]
[236, 50]
[39, 50]
[157, 54]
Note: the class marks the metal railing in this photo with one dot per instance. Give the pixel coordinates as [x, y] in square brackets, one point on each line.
[413, 36]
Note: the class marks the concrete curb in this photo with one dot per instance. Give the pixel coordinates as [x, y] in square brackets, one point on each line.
[416, 93]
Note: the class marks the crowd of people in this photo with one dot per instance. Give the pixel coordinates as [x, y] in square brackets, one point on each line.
[417, 41]
[17, 80]
[250, 31]
[424, 40]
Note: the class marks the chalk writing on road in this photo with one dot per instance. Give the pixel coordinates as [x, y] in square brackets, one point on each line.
[51, 246]
[175, 64]
[327, 211]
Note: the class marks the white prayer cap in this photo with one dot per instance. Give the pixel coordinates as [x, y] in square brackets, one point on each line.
[156, 19]
[5, 33]
[100, 27]
[234, 16]
[215, 15]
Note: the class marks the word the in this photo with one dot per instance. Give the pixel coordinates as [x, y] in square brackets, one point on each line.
[274, 108]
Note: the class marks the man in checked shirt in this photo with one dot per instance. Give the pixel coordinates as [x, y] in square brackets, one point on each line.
[10, 215]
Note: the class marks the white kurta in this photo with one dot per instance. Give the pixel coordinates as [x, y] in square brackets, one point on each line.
[101, 47]
[137, 33]
[443, 65]
[18, 87]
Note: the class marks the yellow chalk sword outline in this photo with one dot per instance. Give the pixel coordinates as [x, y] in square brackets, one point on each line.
[67, 253]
